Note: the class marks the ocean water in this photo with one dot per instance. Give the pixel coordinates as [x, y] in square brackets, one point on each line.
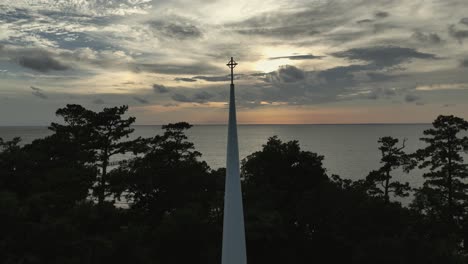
[350, 151]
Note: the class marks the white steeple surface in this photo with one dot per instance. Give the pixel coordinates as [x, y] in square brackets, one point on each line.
[233, 227]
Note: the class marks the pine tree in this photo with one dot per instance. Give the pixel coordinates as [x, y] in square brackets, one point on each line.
[101, 134]
[445, 189]
[380, 181]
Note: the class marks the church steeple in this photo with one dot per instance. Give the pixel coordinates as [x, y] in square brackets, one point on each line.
[234, 251]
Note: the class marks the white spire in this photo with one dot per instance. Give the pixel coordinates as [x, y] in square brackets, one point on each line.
[233, 227]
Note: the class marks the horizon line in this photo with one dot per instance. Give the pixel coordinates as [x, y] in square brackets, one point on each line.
[252, 124]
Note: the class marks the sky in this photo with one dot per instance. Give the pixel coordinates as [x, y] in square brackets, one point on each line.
[300, 62]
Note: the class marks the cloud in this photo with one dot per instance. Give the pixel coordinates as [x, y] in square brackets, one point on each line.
[184, 79]
[384, 56]
[140, 100]
[364, 21]
[38, 92]
[222, 78]
[195, 68]
[202, 96]
[307, 22]
[442, 86]
[379, 77]
[258, 74]
[457, 33]
[198, 97]
[381, 92]
[90, 7]
[464, 63]
[159, 88]
[377, 15]
[412, 98]
[464, 21]
[381, 14]
[297, 57]
[180, 98]
[41, 63]
[177, 29]
[37, 59]
[288, 31]
[98, 101]
[286, 74]
[431, 38]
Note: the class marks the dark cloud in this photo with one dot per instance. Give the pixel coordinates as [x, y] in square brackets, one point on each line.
[258, 74]
[36, 59]
[458, 33]
[384, 56]
[364, 21]
[464, 63]
[140, 100]
[379, 77]
[98, 101]
[184, 80]
[283, 24]
[198, 97]
[412, 98]
[377, 15]
[431, 38]
[289, 31]
[297, 57]
[343, 75]
[159, 88]
[222, 78]
[202, 96]
[381, 14]
[180, 98]
[286, 74]
[178, 29]
[170, 105]
[202, 68]
[464, 21]
[41, 63]
[381, 92]
[38, 92]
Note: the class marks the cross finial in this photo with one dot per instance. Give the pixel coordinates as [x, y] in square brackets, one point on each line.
[231, 64]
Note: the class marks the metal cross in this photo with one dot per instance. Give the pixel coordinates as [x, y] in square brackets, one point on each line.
[232, 64]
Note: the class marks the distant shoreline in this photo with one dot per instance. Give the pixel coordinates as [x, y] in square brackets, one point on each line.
[317, 124]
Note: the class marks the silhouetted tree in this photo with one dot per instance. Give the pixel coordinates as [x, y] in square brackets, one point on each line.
[174, 193]
[109, 130]
[294, 212]
[445, 190]
[9, 156]
[168, 175]
[380, 181]
[282, 186]
[101, 134]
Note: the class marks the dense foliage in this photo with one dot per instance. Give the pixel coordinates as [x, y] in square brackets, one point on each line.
[62, 201]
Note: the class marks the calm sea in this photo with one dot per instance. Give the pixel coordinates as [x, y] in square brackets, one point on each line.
[350, 151]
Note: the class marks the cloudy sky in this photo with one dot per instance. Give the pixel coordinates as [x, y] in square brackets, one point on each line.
[315, 61]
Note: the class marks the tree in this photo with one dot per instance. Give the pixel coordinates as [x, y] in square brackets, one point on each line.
[444, 192]
[100, 134]
[283, 187]
[167, 176]
[9, 152]
[380, 181]
[109, 130]
[173, 193]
